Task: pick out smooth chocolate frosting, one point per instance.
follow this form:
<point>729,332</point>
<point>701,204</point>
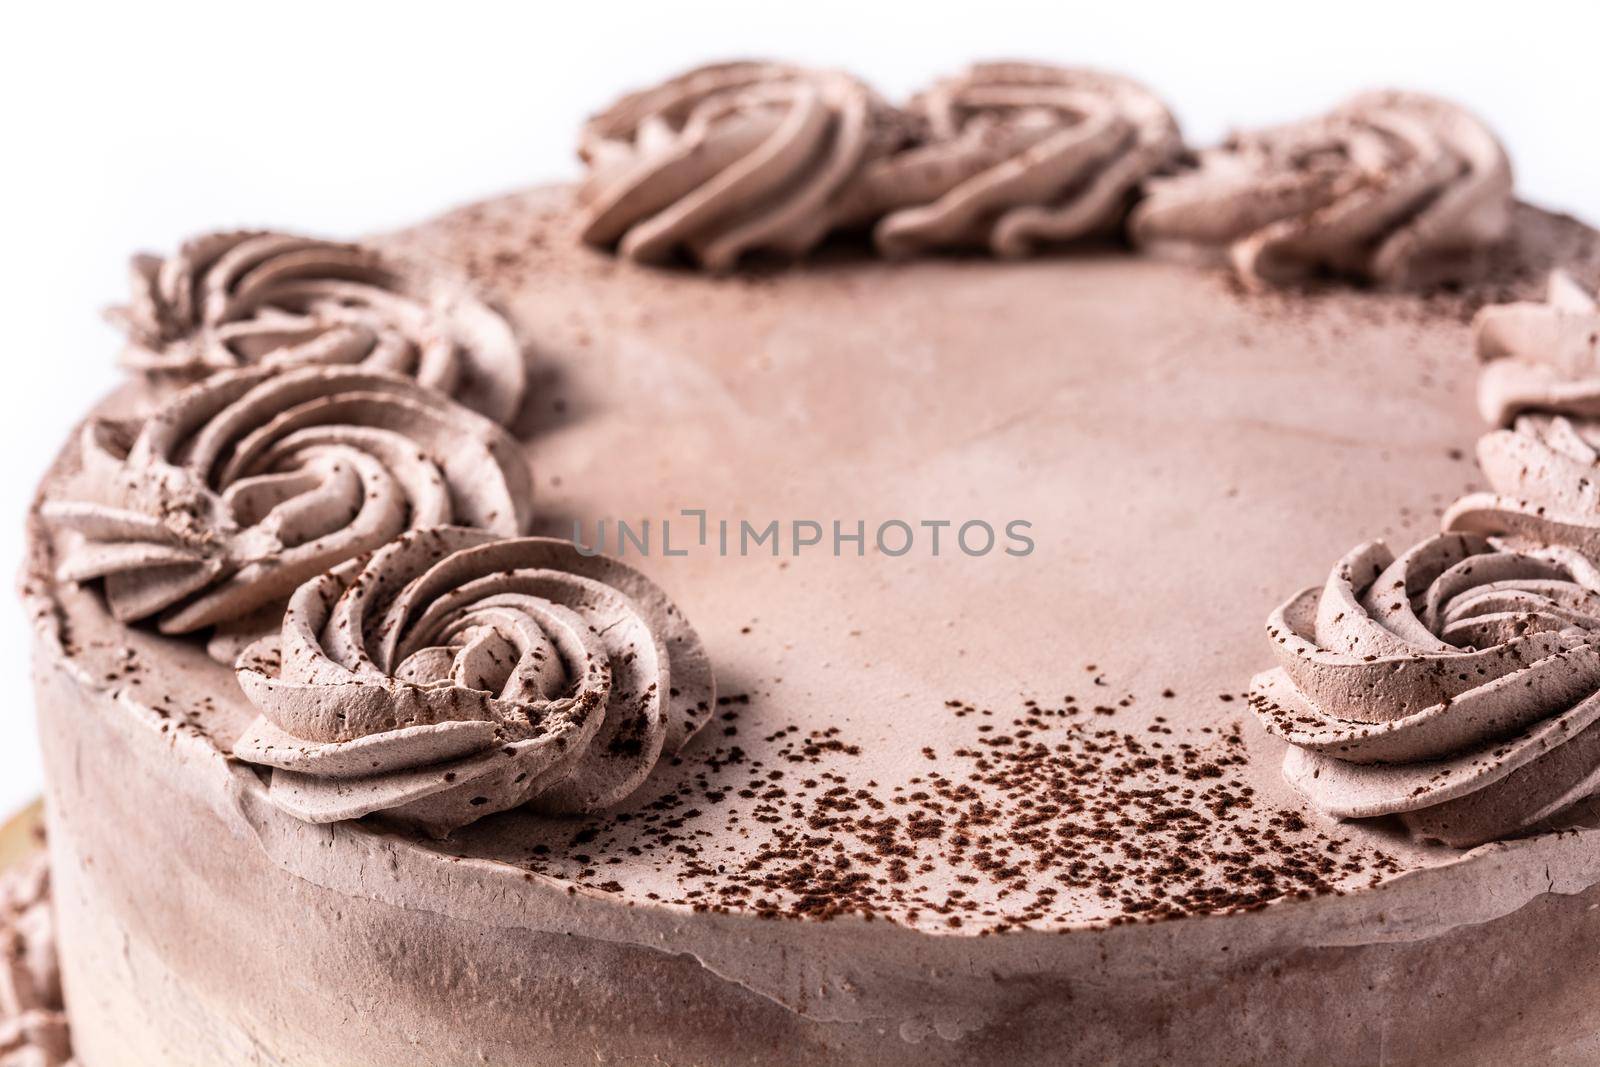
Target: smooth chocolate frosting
<point>727,159</point>
<point>243,298</point>
<point>945,799</point>
<point>455,675</point>
<point>33,1022</point>
<point>236,490</point>
<point>1390,187</point>
<point>1015,155</point>
<point>1541,356</point>
<point>1455,685</point>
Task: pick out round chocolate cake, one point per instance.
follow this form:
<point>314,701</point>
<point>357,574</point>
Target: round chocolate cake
<point>958,582</point>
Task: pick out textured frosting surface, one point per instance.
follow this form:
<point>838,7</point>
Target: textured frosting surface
<point>246,298</point>
<point>454,675</point>
<point>1390,187</point>
<point>33,1024</point>
<point>760,432</point>
<point>1012,156</point>
<point>235,490</point>
<point>1455,685</point>
<point>728,159</point>
<point>1541,356</point>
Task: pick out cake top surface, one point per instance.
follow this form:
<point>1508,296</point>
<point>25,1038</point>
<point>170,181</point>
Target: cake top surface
<point>972,739</point>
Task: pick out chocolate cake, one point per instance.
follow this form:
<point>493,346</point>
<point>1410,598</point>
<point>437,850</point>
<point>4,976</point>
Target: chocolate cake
<point>823,590</point>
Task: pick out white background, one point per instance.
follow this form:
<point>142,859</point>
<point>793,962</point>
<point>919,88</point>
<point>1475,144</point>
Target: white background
<point>133,126</point>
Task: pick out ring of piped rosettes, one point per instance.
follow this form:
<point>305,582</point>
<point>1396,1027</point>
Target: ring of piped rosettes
<point>453,675</point>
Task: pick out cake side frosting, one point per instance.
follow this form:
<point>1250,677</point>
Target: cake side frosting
<point>475,958</point>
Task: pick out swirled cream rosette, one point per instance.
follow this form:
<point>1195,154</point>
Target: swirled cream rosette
<point>256,298</point>
<point>33,1021</point>
<point>727,160</point>
<point>454,675</point>
<point>1014,156</point>
<point>1540,357</point>
<point>238,489</point>
<point>1454,686</point>
<point>1391,187</point>
<point>1544,477</point>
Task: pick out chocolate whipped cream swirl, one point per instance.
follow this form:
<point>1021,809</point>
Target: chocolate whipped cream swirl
<point>1014,156</point>
<point>1544,473</point>
<point>238,489</point>
<point>33,1021</point>
<point>1456,686</point>
<point>1541,357</point>
<point>1392,187</point>
<point>254,298</point>
<point>726,160</point>
<point>456,675</point>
